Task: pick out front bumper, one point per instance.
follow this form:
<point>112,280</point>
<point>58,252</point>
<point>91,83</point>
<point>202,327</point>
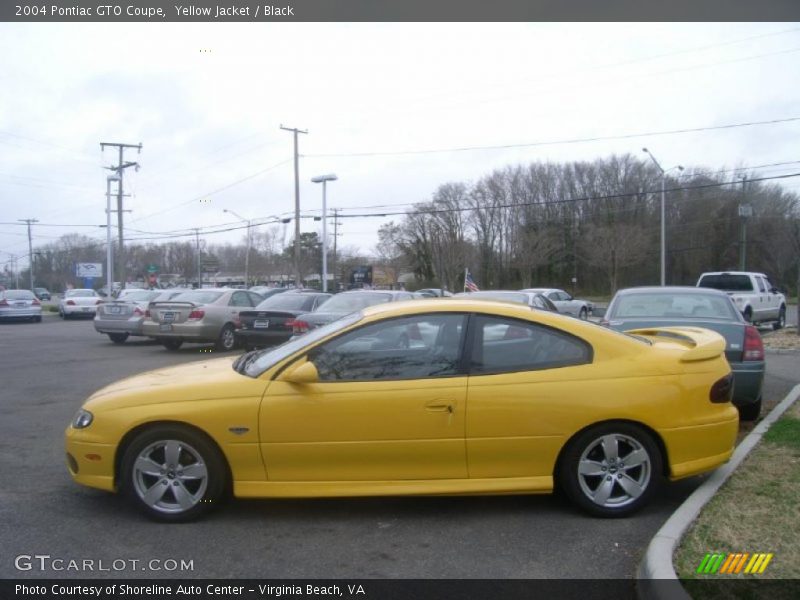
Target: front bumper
<point>90,464</point>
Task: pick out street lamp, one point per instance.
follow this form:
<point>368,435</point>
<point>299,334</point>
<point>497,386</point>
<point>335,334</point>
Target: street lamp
<point>247,254</point>
<point>663,223</point>
<point>324,179</point>
<point>109,254</point>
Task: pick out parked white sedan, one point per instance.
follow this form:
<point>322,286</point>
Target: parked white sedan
<point>78,302</point>
<point>565,303</point>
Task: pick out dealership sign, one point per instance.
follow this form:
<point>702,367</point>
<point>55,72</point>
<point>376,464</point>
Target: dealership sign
<point>90,270</point>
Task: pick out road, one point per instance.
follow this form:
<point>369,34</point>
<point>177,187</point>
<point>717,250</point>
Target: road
<point>48,370</point>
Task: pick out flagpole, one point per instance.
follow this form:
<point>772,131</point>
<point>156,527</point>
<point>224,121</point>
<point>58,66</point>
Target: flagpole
<point>466,272</point>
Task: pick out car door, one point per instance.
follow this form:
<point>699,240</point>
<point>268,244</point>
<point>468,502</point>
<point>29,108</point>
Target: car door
<point>771,304</point>
<point>389,405</point>
<point>520,373</point>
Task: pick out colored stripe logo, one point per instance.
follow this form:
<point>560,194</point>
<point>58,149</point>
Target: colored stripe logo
<point>734,563</point>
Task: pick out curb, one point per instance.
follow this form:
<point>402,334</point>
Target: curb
<point>656,577</point>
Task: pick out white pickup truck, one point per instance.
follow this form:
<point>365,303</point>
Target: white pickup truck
<point>757,299</point>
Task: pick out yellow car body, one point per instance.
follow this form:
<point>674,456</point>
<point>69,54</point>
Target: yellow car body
<point>288,433</point>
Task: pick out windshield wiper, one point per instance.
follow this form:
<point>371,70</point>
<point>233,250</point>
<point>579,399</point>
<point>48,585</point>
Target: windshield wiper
<point>245,360</point>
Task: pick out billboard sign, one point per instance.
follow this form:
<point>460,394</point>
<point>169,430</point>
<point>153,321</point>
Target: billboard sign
<point>83,270</point>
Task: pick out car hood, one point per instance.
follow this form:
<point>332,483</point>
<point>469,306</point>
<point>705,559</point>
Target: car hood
<point>205,380</point>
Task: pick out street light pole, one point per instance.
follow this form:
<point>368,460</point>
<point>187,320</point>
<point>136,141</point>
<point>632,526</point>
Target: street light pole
<point>663,215</point>
<point>324,179</point>
<point>247,253</point>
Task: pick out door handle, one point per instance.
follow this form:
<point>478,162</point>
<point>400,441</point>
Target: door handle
<point>439,406</point>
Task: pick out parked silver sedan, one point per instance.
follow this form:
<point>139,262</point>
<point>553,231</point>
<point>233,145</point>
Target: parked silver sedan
<point>124,316</point>
<point>200,316</point>
<point>78,302</point>
<point>565,303</point>
<point>20,304</point>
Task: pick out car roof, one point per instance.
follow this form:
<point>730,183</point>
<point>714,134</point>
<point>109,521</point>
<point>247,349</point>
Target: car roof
<point>674,289</point>
<point>732,273</point>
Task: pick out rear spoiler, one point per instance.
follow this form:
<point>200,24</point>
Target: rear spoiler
<point>703,344</point>
<point>173,304</point>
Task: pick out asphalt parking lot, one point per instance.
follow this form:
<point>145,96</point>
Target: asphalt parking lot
<point>47,370</point>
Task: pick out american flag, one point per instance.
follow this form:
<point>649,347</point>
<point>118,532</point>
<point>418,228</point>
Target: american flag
<point>469,284</point>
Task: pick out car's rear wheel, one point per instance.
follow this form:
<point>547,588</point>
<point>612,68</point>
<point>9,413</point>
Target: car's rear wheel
<point>173,473</point>
<point>750,412</point>
<point>611,470</point>
<point>748,314</point>
<point>118,338</point>
<point>171,344</point>
<point>781,322</point>
<point>226,340</point>
<point>37,319</point>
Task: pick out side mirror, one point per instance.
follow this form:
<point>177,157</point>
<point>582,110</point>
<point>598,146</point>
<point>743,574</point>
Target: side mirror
<point>301,374</point>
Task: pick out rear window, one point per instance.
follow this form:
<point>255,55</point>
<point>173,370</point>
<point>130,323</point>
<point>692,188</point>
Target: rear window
<point>727,282</point>
<point>287,302</point>
<point>198,296</point>
<point>353,302</point>
<point>683,306</point>
<point>19,295</point>
<point>139,296</point>
<point>80,294</point>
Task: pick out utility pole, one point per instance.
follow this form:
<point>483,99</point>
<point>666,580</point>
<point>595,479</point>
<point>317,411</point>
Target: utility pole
<point>297,278</point>
<point>199,272</point>
<point>119,169</point>
<point>745,211</point>
<point>30,247</point>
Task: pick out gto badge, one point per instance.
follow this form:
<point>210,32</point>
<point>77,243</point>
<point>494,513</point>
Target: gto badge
<point>238,430</point>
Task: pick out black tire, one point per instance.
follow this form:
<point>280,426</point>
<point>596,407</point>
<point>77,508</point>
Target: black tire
<point>584,314</point>
<point>118,338</point>
<point>626,489</point>
<point>226,340</point>
<point>37,319</point>
<point>750,412</point>
<point>171,344</point>
<point>781,322</point>
<point>748,315</point>
<point>202,490</point>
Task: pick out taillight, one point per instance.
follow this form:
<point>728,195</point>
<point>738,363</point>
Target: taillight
<point>753,346</point>
<point>196,315</point>
<point>99,302</point>
<point>237,323</point>
<point>722,390</point>
<point>70,302</point>
<point>137,312</point>
<point>298,326</point>
<point>4,302</point>
<point>36,302</point>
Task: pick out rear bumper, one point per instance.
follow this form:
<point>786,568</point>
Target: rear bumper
<point>254,336</point>
<point>131,326</point>
<point>748,378</point>
<point>21,313</point>
<point>79,310</point>
<point>197,332</point>
<point>700,448</point>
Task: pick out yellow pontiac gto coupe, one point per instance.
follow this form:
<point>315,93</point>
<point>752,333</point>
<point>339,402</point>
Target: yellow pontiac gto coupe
<point>445,396</point>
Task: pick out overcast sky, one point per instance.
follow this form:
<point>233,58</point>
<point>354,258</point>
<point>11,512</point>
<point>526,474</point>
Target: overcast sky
<point>206,101</point>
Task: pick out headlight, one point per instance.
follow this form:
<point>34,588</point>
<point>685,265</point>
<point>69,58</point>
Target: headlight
<point>82,420</point>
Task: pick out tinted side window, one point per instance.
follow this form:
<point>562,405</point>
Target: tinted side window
<point>240,299</point>
<point>416,347</point>
<point>507,345</point>
<point>255,299</point>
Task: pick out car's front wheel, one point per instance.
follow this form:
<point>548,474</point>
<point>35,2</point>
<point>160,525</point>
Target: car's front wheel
<point>611,470</point>
<point>173,473</point>
<point>118,338</point>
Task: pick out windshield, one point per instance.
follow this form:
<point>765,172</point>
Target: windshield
<point>259,361</point>
<point>680,306</point>
<point>288,302</point>
<point>727,282</point>
<point>198,296</point>
<point>346,303</point>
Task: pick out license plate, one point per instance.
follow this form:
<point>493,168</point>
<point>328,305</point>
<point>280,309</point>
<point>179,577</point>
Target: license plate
<point>168,316</point>
<point>165,327</point>
<point>261,323</point>
<point>20,304</point>
<point>86,309</point>
<point>113,310</point>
